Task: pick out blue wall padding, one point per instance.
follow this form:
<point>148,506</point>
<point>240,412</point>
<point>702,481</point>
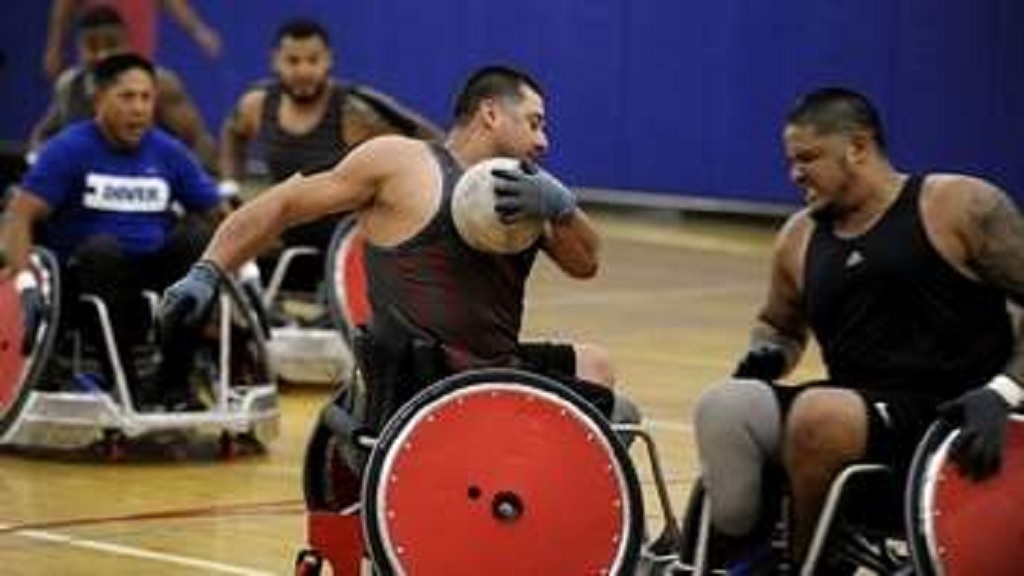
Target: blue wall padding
<point>654,95</point>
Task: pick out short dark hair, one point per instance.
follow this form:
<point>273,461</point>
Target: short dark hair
<point>834,109</point>
<point>109,69</point>
<point>490,82</point>
<point>99,17</point>
<point>300,28</point>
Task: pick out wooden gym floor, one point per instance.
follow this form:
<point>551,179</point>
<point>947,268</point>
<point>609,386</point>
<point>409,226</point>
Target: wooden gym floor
<point>673,303</point>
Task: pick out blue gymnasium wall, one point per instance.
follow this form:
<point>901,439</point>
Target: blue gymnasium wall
<point>670,96</point>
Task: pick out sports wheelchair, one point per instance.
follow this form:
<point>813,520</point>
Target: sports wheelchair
<point>309,333</point>
<point>56,394</point>
<point>491,471</point>
<point>938,523</point>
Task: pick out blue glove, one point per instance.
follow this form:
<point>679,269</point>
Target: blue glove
<point>188,300</point>
<point>531,193</point>
<point>765,362</point>
<point>982,415</point>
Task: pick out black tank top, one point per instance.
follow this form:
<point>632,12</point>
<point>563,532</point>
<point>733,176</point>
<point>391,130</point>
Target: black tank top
<point>286,153</point>
<point>890,312</point>
<point>435,284</point>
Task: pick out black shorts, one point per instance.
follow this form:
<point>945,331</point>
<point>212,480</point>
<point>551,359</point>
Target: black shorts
<point>558,361</point>
<point>897,420</point>
<point>554,359</point>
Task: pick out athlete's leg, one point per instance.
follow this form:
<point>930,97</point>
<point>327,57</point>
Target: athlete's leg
<point>594,364</point>
<point>826,429</point>
<point>737,428</point>
<point>587,368</point>
<point>99,266</point>
<point>178,350</point>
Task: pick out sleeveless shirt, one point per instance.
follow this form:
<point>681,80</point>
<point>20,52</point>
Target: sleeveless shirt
<point>890,312</point>
<point>435,284</point>
<point>286,153</point>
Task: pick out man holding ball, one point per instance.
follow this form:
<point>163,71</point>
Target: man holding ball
<point>425,282</point>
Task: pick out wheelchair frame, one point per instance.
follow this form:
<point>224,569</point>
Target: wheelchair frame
<point>77,419</point>
<point>911,549</point>
<point>343,525</point>
<point>316,354</point>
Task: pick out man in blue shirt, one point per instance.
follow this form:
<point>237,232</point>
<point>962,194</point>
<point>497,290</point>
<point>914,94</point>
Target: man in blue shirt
<point>107,196</point>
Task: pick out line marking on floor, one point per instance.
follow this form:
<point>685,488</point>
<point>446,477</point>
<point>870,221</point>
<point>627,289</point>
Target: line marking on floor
<point>140,553</point>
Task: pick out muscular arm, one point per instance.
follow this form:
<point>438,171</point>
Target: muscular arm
<point>199,30</point>
<point>993,232</point>
<point>177,112</point>
<point>781,321</point>
<point>49,124</point>
<point>353,184</point>
<point>573,245</point>
<point>238,130</point>
<point>62,13</point>
<point>16,223</point>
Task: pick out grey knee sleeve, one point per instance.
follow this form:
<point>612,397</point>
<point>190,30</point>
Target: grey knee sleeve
<point>737,427</point>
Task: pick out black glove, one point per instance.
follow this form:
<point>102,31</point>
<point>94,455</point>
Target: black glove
<point>981,414</point>
<point>530,193</point>
<point>188,300</point>
<point>763,362</point>
<point>32,309</point>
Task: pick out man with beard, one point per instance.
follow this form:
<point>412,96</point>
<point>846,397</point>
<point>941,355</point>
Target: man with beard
<point>903,279</point>
<point>100,33</point>
<point>303,120</point>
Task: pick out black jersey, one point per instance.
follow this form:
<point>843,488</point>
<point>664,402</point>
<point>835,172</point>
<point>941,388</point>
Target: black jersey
<point>434,283</point>
<point>889,311</point>
<point>286,153</point>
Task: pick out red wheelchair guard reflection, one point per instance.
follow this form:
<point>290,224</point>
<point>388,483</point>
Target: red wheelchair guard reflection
<point>11,360</point>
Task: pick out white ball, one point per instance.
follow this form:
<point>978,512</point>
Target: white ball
<point>475,219</point>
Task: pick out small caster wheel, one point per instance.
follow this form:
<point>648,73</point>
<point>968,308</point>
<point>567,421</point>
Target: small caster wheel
<point>308,563</point>
<point>112,446</point>
<point>227,447</point>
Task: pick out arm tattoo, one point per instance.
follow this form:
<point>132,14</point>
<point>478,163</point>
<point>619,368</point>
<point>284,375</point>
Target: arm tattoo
<point>996,237</point>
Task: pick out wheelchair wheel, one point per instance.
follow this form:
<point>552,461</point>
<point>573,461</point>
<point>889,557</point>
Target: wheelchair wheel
<point>501,472</point>
<point>24,349</point>
<point>347,298</point>
<point>959,527</point>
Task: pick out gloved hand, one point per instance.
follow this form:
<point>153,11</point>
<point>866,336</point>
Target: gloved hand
<point>188,300</point>
<point>530,192</point>
<point>981,414</point>
<point>762,362</point>
<point>32,309</point>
